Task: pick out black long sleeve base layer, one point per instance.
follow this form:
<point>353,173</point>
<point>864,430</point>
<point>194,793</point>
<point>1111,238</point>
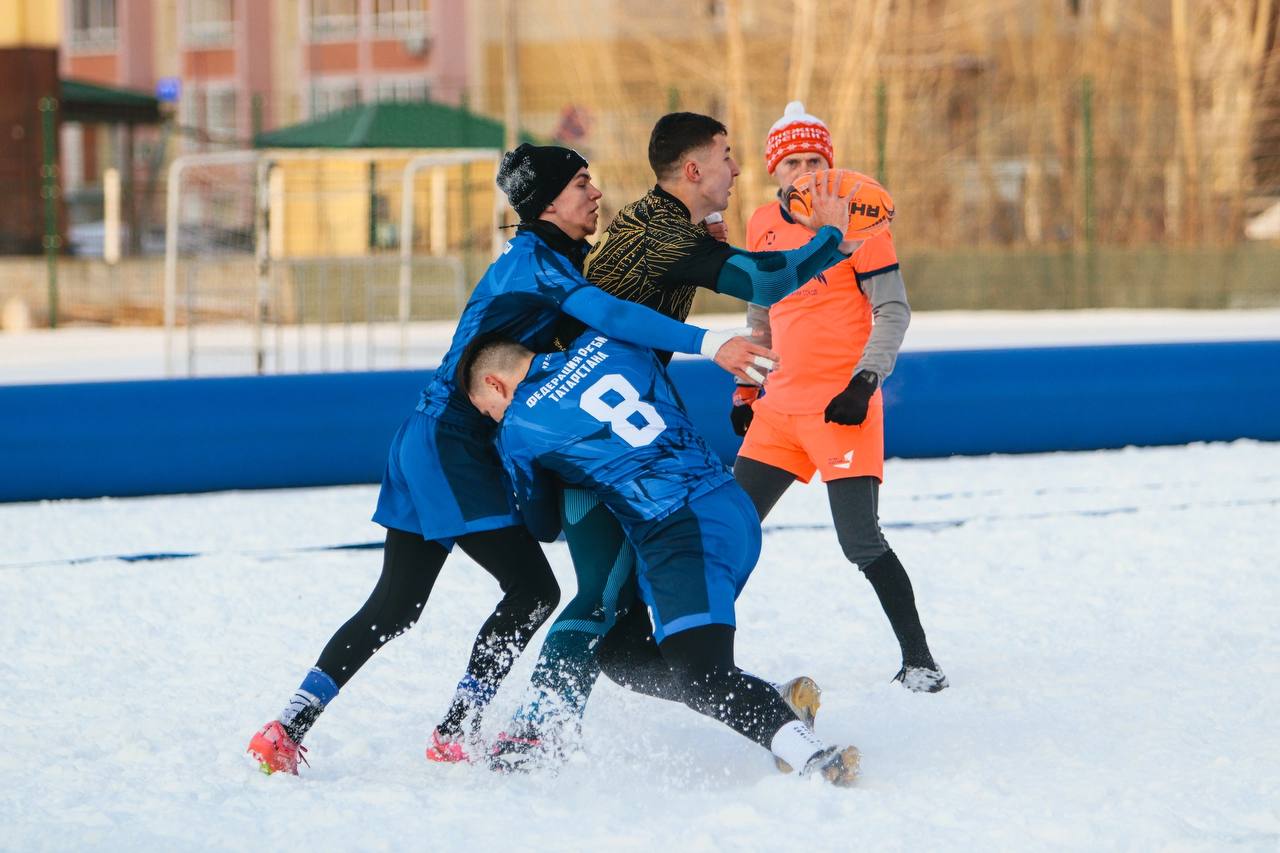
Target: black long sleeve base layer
<point>410,566</point>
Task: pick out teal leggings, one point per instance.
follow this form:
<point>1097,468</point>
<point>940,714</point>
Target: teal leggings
<point>604,564</point>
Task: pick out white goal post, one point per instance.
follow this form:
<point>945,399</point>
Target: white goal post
<point>261,163</point>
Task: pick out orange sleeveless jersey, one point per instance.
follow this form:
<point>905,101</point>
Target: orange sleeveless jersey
<point>819,331</point>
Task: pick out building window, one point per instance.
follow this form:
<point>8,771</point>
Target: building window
<point>210,111</point>
<point>329,96</point>
<point>71,147</point>
<point>334,20</point>
<point>400,18</point>
<point>93,25</point>
<point>220,111</point>
<point>208,22</point>
<point>403,90</point>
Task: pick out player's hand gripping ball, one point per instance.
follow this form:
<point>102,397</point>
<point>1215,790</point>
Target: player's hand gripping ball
<point>870,205</point>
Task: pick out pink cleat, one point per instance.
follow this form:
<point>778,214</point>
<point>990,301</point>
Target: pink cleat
<point>275,750</point>
<point>446,750</point>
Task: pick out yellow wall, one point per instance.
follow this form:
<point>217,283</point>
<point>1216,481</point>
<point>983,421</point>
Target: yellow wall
<point>326,205</point>
<point>164,33</point>
<point>30,23</point>
<point>289,89</point>
<point>326,208</point>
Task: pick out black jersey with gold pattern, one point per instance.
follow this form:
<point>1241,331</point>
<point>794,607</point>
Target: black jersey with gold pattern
<point>652,253</point>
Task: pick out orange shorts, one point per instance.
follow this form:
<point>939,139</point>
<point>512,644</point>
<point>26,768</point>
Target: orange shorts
<point>802,444</point>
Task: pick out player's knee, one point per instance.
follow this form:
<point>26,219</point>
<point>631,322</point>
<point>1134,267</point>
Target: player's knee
<point>537,584</point>
<point>704,692</point>
<point>543,597</point>
<point>550,596</point>
<point>614,665</point>
<point>862,551</point>
<point>399,622</point>
<point>695,682</point>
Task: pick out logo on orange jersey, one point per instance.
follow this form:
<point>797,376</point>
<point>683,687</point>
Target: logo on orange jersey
<point>769,237</point>
<point>846,464</point>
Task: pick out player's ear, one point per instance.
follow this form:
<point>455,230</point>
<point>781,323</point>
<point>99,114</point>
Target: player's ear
<point>691,171</point>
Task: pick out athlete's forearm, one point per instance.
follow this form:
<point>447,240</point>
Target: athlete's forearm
<point>633,323</point>
<point>761,330</point>
<point>758,320</point>
<point>766,277</point>
<point>891,314</point>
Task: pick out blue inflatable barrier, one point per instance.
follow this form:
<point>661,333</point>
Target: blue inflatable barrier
<point>1081,398</point>
<point>198,435</point>
<point>194,435</point>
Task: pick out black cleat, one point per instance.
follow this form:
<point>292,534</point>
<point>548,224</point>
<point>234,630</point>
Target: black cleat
<point>922,679</point>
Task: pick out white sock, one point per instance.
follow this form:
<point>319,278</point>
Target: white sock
<point>301,701</point>
<point>795,744</point>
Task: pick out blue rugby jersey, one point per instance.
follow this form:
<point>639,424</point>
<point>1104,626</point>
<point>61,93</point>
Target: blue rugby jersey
<point>520,297</point>
<point>603,416</point>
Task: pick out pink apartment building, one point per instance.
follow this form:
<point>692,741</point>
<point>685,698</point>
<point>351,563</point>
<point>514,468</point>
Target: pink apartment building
<point>234,67</point>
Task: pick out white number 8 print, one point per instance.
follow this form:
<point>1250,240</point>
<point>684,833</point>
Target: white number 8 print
<point>617,416</point>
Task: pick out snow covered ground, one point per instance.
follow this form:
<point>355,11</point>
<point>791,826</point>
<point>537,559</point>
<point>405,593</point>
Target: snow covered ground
<point>1108,621</point>
<point>88,353</point>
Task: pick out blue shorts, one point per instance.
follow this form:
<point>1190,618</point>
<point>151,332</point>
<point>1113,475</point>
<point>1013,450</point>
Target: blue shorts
<point>692,564</point>
<point>444,480</point>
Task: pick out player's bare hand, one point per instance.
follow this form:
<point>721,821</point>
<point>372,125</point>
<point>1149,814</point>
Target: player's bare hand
<point>746,360</point>
<point>829,207</point>
<point>716,226</point>
<point>736,352</point>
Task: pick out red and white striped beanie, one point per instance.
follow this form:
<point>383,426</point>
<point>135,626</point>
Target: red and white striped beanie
<point>797,132</point>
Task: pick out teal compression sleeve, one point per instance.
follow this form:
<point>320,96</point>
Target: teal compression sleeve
<point>766,277</point>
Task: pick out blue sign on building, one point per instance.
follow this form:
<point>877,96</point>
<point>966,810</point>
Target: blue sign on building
<point>168,89</point>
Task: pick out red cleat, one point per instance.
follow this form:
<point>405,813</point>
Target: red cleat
<point>512,754</point>
<point>446,750</point>
<point>275,750</point>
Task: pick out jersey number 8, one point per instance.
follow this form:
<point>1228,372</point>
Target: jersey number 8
<point>619,417</point>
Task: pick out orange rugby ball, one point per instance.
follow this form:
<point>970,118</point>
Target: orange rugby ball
<point>870,205</point>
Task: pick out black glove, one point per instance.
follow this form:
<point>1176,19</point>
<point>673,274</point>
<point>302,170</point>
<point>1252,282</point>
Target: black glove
<point>849,407</point>
<point>741,414</point>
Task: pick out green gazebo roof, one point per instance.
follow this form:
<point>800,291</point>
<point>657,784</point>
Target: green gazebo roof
<point>93,102</point>
<point>390,125</point>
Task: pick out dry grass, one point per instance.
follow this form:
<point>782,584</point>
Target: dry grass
<point>977,107</point>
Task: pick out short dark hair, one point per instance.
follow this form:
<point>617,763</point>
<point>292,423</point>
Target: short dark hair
<point>675,135</point>
<point>488,351</point>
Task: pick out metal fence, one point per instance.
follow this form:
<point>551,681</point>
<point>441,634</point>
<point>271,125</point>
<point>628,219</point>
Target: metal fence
<point>322,313</point>
<point>338,290</point>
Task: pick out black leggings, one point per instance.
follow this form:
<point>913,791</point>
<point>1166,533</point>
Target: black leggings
<point>703,671</point>
<point>855,506</point>
<point>410,566</point>
<point>855,511</point>
<point>695,667</point>
<point>630,657</point>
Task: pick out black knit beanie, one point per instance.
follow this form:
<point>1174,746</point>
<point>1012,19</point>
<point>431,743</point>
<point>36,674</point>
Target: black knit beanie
<point>533,175</point>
